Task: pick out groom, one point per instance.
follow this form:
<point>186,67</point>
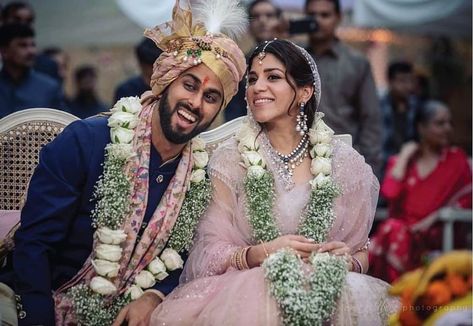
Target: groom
<point>193,79</point>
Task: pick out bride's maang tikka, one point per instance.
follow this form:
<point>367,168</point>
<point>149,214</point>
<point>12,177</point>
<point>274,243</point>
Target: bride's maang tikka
<point>262,54</point>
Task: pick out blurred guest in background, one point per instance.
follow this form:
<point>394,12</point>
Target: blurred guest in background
<point>53,61</point>
<point>146,52</point>
<point>424,177</point>
<point>20,86</point>
<point>265,18</point>
<point>18,12</point>
<point>398,108</point>
<point>349,101</point>
<point>86,102</point>
<point>421,87</point>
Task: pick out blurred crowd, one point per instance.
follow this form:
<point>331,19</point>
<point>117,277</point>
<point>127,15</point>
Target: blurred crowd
<point>403,133</point>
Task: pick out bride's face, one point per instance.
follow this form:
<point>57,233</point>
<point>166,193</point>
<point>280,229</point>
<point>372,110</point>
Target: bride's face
<point>269,93</point>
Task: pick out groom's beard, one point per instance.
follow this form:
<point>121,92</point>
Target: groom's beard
<point>173,134</point>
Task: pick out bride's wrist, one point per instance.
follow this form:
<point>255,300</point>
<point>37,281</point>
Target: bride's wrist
<point>255,256</point>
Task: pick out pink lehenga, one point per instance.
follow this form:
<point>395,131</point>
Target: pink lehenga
<point>214,293</point>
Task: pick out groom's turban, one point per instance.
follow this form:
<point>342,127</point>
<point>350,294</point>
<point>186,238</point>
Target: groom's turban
<point>186,45</point>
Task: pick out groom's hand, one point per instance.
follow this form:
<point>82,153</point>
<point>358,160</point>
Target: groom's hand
<point>138,312</point>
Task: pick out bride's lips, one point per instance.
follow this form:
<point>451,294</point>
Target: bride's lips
<point>261,101</point>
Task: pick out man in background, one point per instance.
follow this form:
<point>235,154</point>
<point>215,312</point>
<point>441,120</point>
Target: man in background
<point>86,103</point>
<point>146,53</point>
<point>264,25</point>
<point>349,97</point>
<point>20,86</point>
<point>398,107</point>
<point>53,61</point>
<point>18,12</point>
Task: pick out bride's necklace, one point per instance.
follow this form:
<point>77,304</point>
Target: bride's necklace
<point>296,157</point>
<point>286,164</point>
<point>259,183</point>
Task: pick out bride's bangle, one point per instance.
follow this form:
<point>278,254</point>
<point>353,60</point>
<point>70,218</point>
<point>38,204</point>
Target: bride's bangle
<point>238,259</point>
<point>264,248</point>
<point>357,266</point>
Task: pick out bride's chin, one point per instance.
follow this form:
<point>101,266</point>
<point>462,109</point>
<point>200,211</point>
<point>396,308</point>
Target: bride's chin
<point>260,118</point>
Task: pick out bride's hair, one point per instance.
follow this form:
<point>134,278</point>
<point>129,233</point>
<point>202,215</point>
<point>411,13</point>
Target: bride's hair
<point>297,68</point>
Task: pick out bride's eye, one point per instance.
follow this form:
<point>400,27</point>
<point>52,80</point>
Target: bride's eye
<point>274,77</point>
<point>252,80</point>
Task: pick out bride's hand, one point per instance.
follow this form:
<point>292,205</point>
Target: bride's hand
<point>334,247</point>
<point>303,246</point>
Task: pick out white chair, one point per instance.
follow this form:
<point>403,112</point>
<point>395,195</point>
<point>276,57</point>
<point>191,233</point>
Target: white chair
<point>22,134</point>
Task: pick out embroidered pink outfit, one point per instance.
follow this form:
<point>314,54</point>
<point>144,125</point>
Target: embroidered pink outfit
<point>213,293</point>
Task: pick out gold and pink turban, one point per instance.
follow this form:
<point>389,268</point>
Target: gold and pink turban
<point>186,45</point>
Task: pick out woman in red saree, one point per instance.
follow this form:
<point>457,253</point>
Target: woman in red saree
<point>421,179</point>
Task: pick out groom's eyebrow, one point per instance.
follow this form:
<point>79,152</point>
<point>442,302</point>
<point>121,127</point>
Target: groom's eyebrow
<point>198,82</point>
<point>194,78</point>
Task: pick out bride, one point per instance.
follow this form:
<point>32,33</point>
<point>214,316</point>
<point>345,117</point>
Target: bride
<point>284,240</point>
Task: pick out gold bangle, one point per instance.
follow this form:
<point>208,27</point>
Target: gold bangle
<point>244,260</point>
<point>264,248</point>
<point>233,259</point>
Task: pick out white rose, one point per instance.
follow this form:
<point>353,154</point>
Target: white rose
<point>247,143</point>
<point>123,119</point>
<point>319,181</point>
<point>323,150</point>
<point>120,151</point>
<point>156,266</point>
<point>109,236</point>
<point>105,267</point>
<point>316,137</point>
<point>198,144</point>
<point>121,135</point>
<point>256,171</point>
<point>171,259</point>
<point>253,158</point>
<point>102,286</point>
<point>145,279</point>
<point>134,291</point>
<point>321,165</point>
<point>161,276</point>
<point>130,104</point>
<point>200,159</point>
<point>108,252</point>
<point>197,175</point>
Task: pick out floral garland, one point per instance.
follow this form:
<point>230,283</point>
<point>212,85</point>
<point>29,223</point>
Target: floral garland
<point>287,284</point>
<point>113,194</point>
<point>285,277</point>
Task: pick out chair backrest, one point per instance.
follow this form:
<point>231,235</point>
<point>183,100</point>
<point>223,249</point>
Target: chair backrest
<point>22,134</point>
<point>216,136</point>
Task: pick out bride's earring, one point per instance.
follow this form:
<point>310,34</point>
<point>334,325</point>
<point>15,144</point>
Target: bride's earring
<point>301,125</point>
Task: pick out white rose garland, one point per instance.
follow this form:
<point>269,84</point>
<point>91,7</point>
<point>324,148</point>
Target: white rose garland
<point>282,268</point>
<point>113,201</point>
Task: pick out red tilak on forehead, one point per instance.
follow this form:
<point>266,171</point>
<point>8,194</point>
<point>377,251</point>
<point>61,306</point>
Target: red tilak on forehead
<point>206,80</point>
